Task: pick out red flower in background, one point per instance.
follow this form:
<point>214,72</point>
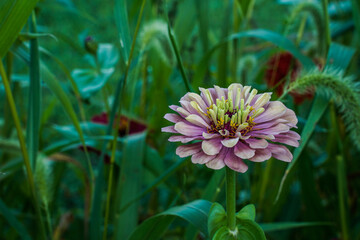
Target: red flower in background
<point>281,66</point>
<point>133,125</point>
<point>125,122</point>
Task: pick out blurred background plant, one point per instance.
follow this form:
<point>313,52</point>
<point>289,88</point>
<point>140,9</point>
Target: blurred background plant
<point>85,86</point>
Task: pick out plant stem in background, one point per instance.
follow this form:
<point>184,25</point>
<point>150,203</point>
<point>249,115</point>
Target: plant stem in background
<point>17,124</point>
<point>327,24</point>
<point>178,58</point>
<point>343,196</point>
<point>223,54</point>
<point>231,199</point>
<point>34,103</point>
<point>116,131</point>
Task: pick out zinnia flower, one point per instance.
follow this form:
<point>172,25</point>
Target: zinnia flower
<point>229,125</point>
<point>278,68</point>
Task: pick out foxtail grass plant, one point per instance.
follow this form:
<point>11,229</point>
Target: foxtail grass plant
<point>29,173</point>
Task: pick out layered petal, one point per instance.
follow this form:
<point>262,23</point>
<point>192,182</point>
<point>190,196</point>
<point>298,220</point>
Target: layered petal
<point>188,150</point>
<point>169,129</point>
<point>280,152</point>
<point>230,142</point>
<point>188,129</point>
<point>261,155</point>
<point>201,158</point>
<point>212,146</point>
<point>197,120</point>
<point>243,151</point>
<point>273,110</point>
<point>234,162</point>
<point>218,161</point>
<point>171,117</point>
<point>257,143</point>
<point>183,139</point>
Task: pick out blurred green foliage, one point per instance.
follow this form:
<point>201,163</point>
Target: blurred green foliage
<point>108,70</point>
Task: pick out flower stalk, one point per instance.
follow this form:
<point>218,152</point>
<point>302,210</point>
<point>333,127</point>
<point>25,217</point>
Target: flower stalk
<point>231,199</point>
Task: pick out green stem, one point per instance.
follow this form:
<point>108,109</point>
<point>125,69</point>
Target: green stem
<point>327,24</point>
<point>116,131</point>
<point>21,138</point>
<point>342,194</point>
<point>34,103</point>
<point>231,198</point>
<point>179,60</point>
<point>108,197</point>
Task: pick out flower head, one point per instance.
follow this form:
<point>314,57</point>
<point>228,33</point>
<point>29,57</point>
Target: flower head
<point>232,124</point>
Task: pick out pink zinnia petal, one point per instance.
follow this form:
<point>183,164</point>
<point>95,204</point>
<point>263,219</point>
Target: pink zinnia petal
<point>188,150</point>
<point>261,155</point>
<point>169,129</point>
<point>197,120</point>
<point>234,162</point>
<point>218,161</point>
<point>188,129</point>
<point>182,139</point>
<point>212,146</point>
<point>280,152</point>
<point>257,143</point>
<point>230,142</point>
<point>171,117</point>
<point>273,110</point>
<point>201,158</point>
<point>243,151</point>
<point>210,135</point>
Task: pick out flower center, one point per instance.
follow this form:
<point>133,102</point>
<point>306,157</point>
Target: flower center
<point>227,118</point>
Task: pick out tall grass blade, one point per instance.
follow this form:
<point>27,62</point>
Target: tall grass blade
<point>34,103</point>
<point>281,226</point>
<point>223,54</point>
<point>343,197</point>
<point>178,58</point>
<point>116,108</point>
<point>13,16</point>
<point>356,18</point>
<point>122,23</point>
<point>56,88</point>
<point>24,151</point>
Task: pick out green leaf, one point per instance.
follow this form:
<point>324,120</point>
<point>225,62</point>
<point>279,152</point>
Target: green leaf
<point>56,88</point>
<point>194,212</point>
<point>11,219</point>
<point>216,218</point>
<point>34,103</point>
<point>224,234</point>
<point>247,212</point>
<point>121,20</point>
<point>280,226</point>
<point>250,230</point>
<point>170,171</point>
<point>92,80</point>
<point>129,184</point>
<point>13,16</point>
